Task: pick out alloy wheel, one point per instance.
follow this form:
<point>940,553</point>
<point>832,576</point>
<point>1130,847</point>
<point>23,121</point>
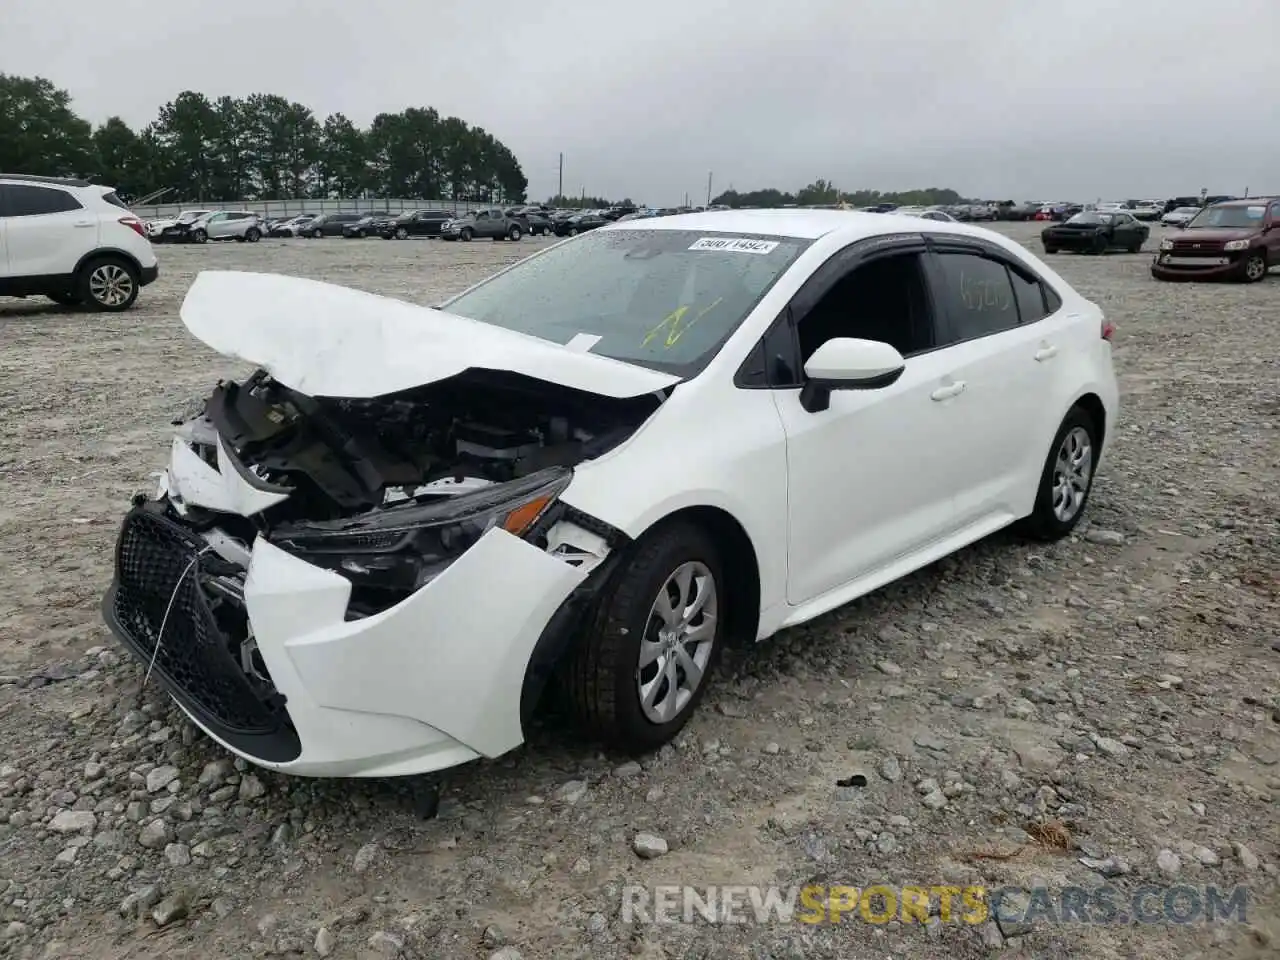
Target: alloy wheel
<point>677,643</point>
<point>110,285</point>
<point>1072,471</point>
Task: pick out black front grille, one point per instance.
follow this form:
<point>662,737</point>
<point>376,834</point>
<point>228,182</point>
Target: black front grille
<point>159,571</point>
<point>1197,248</point>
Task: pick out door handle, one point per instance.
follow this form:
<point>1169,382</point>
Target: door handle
<point>949,391</point>
<point>1047,352</point>
<point>85,223</point>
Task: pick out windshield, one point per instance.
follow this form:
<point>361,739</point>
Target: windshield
<point>1230,218</point>
<point>665,299</point>
<point>1094,218</point>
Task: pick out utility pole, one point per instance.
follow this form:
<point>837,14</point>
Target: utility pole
<point>709,175</point>
<point>560,188</point>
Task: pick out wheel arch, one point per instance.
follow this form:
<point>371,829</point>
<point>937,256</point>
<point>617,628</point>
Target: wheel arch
<point>106,253</point>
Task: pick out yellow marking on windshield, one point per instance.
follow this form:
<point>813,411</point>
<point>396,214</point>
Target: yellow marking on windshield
<point>671,324</point>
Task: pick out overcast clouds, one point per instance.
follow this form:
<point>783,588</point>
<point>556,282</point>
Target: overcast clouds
<point>1017,99</point>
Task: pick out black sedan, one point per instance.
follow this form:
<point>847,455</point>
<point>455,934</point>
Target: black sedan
<point>1091,231</point>
<point>539,223</point>
<point>367,226</point>
<point>580,223</point>
<point>419,223</point>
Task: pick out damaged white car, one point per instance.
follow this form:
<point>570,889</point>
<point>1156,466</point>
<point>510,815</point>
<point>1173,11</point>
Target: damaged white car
<point>601,465</point>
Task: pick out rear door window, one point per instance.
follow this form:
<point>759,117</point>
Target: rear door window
<point>24,200</point>
<point>977,294</point>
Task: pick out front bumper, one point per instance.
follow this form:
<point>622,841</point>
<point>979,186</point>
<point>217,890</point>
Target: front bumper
<point>427,684</point>
<point>1179,265</point>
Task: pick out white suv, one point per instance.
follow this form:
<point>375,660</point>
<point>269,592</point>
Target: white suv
<point>71,241</point>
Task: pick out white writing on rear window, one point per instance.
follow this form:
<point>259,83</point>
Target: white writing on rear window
<point>735,244</point>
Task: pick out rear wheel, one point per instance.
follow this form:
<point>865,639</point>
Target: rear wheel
<point>1067,478</point>
<point>640,670</point>
<point>1255,267</point>
<point>108,283</point>
<point>514,233</point>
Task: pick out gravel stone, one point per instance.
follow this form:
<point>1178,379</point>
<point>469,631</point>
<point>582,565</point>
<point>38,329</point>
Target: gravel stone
<point>648,846</point>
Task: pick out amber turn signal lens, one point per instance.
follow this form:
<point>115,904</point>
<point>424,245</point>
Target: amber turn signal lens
<point>522,517</point>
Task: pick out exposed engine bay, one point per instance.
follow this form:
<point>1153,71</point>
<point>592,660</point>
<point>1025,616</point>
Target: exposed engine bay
<point>342,457</point>
<point>389,490</point>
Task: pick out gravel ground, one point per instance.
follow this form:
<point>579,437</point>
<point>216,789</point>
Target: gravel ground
<point>1014,709</point>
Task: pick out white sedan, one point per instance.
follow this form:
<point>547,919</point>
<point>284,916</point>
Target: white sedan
<point>1180,216</point>
<point>606,463</point>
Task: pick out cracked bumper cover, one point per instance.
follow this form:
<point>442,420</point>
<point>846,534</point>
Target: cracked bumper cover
<point>427,684</point>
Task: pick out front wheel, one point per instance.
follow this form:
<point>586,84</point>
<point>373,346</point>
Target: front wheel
<point>573,231</point>
<point>1050,249</point>
<point>402,234</point>
<point>1100,245</point>
<point>199,236</point>
<point>317,234</point>
<point>465,234</point>
<point>253,235</point>
<point>1067,478</point>
<point>642,666</point>
<point>1255,268</point>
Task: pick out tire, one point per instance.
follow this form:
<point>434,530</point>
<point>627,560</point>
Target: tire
<point>514,233</point>
<point>1050,249</point>
<point>252,235</point>
<point>465,234</point>
<point>1099,246</point>
<point>602,675</point>
<point>1047,521</point>
<point>65,298</point>
<point>199,236</point>
<point>573,231</point>
<point>1255,267</point>
<point>108,284</point>
<point>317,234</point>
<point>359,234</point>
<point>1135,247</point>
<point>402,234</point>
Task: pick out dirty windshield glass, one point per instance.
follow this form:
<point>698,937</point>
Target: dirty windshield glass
<point>1230,218</point>
<point>661,298</point>
<point>1097,218</point>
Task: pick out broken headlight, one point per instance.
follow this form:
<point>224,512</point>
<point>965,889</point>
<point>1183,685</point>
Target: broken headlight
<point>402,547</point>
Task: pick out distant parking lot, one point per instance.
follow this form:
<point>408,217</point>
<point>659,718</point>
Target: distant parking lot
<point>1020,678</point>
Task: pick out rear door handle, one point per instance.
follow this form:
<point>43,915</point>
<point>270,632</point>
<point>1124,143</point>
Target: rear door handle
<point>1047,352</point>
<point>949,391</point>
<point>85,223</point>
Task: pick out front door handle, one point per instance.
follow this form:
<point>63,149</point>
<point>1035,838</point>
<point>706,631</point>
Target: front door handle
<point>949,391</point>
<point>1046,352</point>
<point>85,223</point>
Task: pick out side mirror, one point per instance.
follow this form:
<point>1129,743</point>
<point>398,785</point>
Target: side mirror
<point>848,363</point>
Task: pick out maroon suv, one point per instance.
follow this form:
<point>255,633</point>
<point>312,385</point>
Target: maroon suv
<point>1236,240</point>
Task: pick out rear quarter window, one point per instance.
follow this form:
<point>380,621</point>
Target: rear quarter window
<point>113,199</point>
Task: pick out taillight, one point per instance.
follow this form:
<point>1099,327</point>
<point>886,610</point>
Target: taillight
<point>134,224</point>
<point>1108,329</point>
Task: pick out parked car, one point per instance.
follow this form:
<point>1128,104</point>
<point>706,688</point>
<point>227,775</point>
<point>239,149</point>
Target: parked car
<point>581,223</point>
<point>1145,210</point>
<point>1235,240</point>
<point>938,214</point>
<point>292,227</point>
<point>418,223</point>
<point>537,223</point>
<point>168,229</point>
<point>464,447</point>
<point>330,224</point>
<point>1179,216</point>
<point>239,225</point>
<point>73,242</point>
<point>370,225</point>
<point>492,223</point>
<point>1096,231</point>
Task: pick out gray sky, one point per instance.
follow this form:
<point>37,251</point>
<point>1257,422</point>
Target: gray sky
<point>1016,99</point>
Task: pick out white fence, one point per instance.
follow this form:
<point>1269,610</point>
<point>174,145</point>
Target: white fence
<point>291,208</point>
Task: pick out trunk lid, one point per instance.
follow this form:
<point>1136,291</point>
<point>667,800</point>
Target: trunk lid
<point>331,341</point>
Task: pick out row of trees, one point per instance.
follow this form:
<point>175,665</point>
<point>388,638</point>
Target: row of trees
<point>260,147</point>
<point>825,192</point>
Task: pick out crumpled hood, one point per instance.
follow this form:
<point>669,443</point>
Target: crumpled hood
<point>326,340</point>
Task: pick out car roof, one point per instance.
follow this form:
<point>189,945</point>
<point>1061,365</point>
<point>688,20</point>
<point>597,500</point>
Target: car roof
<point>1243,202</point>
<point>55,181</point>
<point>800,224</point>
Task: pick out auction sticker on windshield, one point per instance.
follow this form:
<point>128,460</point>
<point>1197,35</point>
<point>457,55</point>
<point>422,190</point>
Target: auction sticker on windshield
<point>735,244</point>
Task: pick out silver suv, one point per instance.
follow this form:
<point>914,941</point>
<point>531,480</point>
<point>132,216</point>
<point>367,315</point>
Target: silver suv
<point>238,225</point>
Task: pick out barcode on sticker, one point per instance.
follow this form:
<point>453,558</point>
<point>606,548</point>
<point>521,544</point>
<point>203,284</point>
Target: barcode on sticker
<point>735,244</point>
